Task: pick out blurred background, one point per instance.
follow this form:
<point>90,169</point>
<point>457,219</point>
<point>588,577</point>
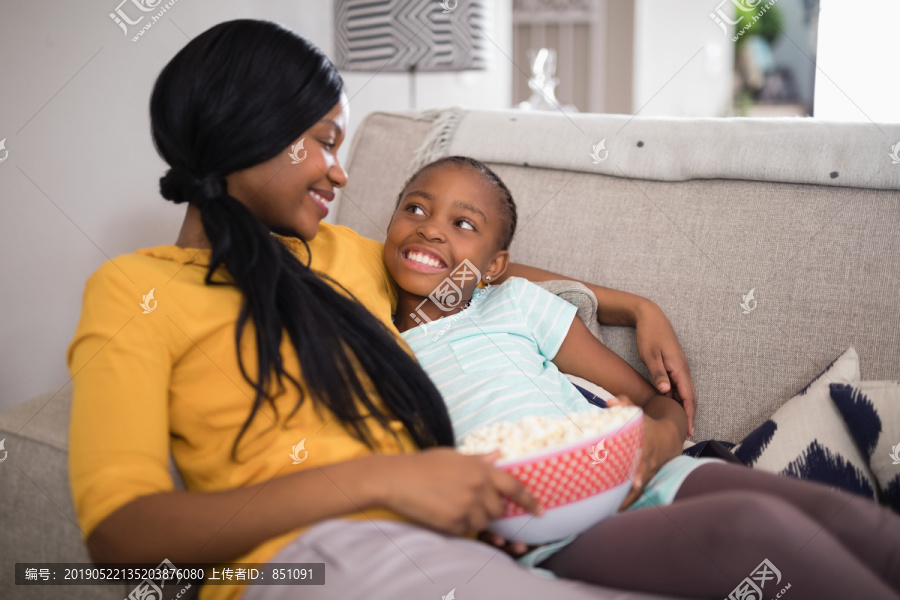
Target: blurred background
<point>79,175</point>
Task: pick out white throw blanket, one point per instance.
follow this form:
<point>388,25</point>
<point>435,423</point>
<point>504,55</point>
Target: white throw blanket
<point>789,150</point>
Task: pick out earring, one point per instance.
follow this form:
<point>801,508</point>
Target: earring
<point>487,277</point>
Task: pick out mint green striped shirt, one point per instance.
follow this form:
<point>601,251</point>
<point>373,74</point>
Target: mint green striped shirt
<point>492,361</point>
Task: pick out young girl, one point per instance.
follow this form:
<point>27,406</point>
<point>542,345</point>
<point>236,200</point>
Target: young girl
<point>704,525</point>
<point>256,343</point>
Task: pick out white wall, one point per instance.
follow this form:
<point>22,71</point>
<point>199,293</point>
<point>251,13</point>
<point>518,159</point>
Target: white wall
<point>679,38</point>
<point>80,184</point>
<point>857,52</point>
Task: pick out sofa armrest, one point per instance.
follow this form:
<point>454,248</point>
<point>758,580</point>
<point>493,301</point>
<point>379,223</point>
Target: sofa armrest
<point>36,509</point>
<point>576,293</point>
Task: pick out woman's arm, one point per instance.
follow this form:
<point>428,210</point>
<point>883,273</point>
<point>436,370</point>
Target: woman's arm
<point>614,307</point>
<point>452,492</point>
<point>665,427</point>
<point>220,526</point>
<point>657,343</point>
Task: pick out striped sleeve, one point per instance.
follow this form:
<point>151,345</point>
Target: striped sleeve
<point>547,316</point>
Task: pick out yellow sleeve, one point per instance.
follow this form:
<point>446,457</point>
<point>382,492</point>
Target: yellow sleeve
<point>120,367</point>
<point>377,248</point>
<point>340,238</point>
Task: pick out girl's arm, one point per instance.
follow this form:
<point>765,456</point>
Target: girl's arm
<point>657,343</point>
<point>614,307</point>
<point>452,492</point>
<point>666,427</point>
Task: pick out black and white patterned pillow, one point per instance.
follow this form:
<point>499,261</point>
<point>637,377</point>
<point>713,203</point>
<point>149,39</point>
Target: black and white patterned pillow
<point>871,410</point>
<point>807,438</point>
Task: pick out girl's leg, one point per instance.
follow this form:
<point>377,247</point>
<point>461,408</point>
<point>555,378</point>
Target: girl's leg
<point>868,531</point>
<point>390,560</point>
<point>707,545</point>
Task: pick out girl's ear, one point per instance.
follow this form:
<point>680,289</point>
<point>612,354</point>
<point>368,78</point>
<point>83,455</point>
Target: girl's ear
<point>497,267</point>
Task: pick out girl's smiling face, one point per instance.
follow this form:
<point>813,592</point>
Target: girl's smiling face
<point>449,213</point>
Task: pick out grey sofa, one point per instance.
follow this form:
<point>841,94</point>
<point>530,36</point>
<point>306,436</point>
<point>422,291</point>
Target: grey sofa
<point>690,213</point>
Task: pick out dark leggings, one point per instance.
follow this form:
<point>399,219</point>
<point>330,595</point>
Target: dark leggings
<point>725,520</point>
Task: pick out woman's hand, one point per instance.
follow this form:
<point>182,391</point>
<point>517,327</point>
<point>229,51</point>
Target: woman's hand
<point>660,350</point>
<point>661,444</point>
<point>448,491</point>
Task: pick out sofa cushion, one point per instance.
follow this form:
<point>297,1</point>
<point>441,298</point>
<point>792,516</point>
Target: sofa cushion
<point>44,418</point>
<point>807,438</point>
<point>36,510</point>
<point>871,410</point>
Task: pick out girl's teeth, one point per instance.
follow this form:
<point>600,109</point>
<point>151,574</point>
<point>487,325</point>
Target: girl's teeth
<point>424,259</point>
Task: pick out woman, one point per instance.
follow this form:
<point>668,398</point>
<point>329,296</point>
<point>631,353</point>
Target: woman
<point>295,426</point>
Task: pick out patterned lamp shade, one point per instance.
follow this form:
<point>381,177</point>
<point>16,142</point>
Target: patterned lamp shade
<point>405,35</point>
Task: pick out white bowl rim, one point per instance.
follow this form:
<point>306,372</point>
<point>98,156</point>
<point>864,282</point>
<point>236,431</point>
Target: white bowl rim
<point>545,454</point>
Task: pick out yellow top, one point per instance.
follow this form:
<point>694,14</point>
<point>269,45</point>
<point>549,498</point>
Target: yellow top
<point>147,384</point>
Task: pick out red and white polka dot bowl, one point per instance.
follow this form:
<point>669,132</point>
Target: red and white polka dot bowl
<point>578,485</point>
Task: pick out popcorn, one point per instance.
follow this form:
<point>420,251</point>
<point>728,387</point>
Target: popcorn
<point>536,435</point>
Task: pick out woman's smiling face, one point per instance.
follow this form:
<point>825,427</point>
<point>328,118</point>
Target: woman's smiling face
<point>447,214</point>
<point>292,192</point>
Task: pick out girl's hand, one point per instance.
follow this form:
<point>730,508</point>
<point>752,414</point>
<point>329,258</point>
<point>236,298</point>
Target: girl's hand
<point>448,491</point>
<point>661,444</point>
<point>660,350</point>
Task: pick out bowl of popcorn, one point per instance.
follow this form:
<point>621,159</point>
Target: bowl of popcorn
<point>579,467</point>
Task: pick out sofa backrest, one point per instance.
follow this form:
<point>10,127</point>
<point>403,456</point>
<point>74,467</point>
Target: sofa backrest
<point>693,214</point>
